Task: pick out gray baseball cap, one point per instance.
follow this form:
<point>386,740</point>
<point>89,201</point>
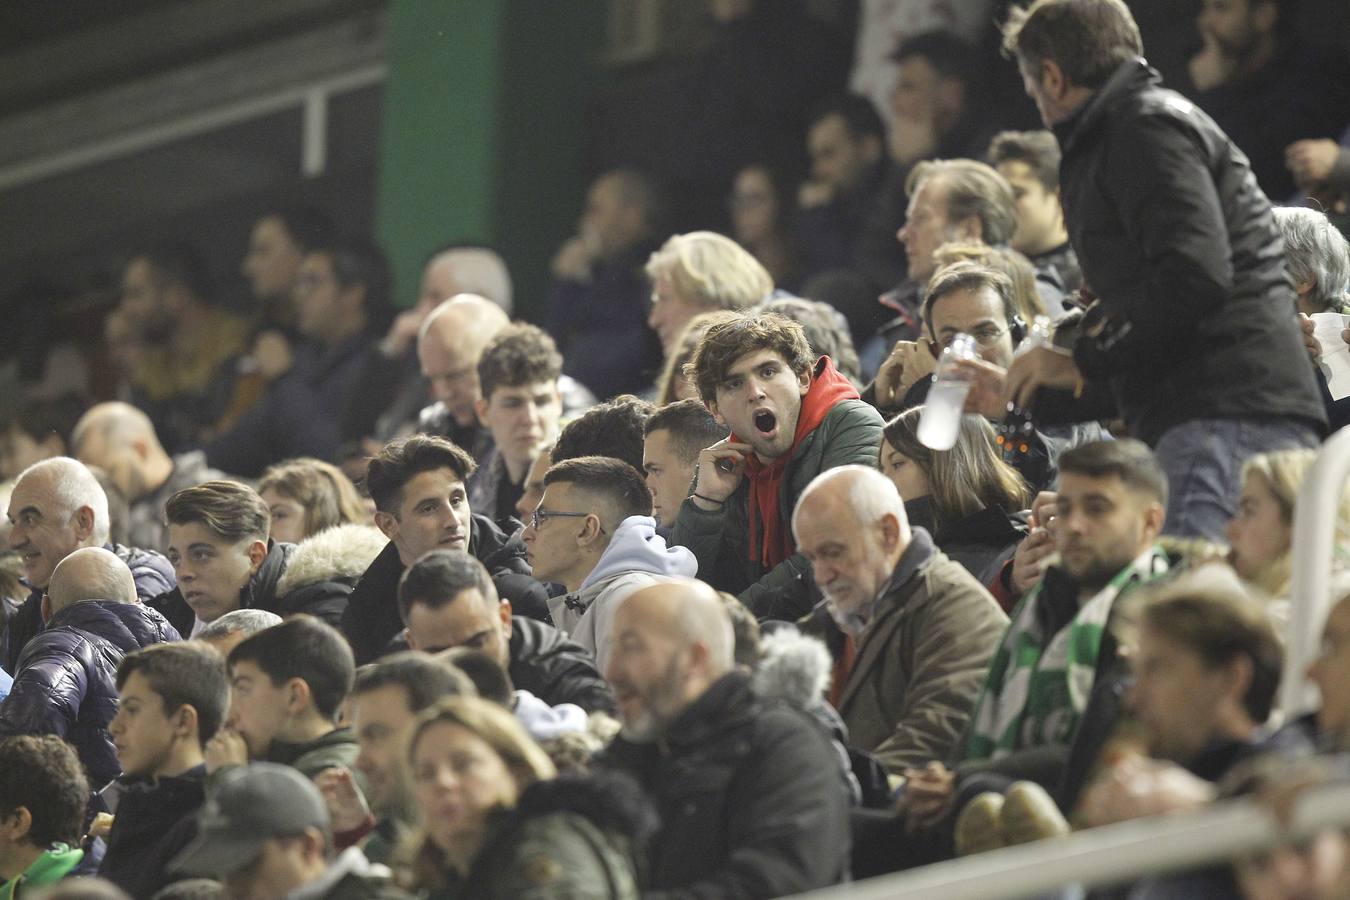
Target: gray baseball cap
<point>245,807</point>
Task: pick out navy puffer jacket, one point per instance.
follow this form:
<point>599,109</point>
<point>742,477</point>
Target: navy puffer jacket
<point>66,684</point>
<point>150,570</point>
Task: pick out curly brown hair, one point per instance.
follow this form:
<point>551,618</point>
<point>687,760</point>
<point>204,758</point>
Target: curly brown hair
<point>732,335</point>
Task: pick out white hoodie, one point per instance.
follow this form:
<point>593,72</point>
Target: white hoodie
<point>636,557</point>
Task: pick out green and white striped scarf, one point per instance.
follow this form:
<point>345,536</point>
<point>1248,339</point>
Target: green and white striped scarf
<point>1038,684</point>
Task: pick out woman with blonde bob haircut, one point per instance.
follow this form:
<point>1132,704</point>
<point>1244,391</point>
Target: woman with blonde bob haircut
<point>967,497</point>
<point>700,272</point>
<point>497,823</point>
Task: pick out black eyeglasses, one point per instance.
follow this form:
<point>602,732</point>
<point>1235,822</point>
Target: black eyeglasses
<point>541,515</point>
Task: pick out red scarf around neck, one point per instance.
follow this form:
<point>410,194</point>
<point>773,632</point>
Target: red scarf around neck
<point>770,542</point>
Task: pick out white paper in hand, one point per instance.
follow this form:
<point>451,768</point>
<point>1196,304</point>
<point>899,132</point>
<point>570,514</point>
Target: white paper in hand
<point>1335,359</point>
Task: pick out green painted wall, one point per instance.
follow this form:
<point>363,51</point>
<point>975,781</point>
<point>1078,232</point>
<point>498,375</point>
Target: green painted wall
<point>482,134</point>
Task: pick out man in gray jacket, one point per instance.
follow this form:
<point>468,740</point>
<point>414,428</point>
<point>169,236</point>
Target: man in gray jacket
<point>603,548</point>
<point>919,630</point>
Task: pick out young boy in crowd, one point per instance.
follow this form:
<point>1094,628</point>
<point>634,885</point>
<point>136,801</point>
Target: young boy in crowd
<point>171,700</point>
<point>288,684</point>
<point>43,796</point>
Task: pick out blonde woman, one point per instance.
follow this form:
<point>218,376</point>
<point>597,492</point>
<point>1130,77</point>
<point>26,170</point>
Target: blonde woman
<point>700,272</point>
<point>967,497</point>
<point>496,823</point>
<point>1260,535</point>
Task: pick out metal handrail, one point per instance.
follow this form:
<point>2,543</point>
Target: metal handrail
<point>1112,854</point>
<point>1315,516</point>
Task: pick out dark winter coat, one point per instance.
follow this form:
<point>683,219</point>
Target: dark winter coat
<point>324,568</point>
<point>150,570</point>
<point>555,669</point>
<point>66,684</point>
<point>982,541</point>
<point>567,837</point>
<point>155,820</point>
<point>1180,245</point>
<point>751,799</point>
<point>371,620</point>
<point>304,413</point>
<point>259,593</point>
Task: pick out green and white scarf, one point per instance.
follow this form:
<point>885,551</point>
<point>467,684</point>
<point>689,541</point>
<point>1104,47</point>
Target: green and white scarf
<point>1038,684</point>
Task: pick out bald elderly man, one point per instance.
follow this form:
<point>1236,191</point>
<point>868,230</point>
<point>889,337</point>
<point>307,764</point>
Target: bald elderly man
<point>120,439</point>
<point>919,628</point>
<point>56,508</point>
<point>66,679</point>
<point>751,796</point>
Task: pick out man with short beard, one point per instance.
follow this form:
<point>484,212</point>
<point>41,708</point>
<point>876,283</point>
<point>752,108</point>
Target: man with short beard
<point>769,814</point>
<point>1060,644</point>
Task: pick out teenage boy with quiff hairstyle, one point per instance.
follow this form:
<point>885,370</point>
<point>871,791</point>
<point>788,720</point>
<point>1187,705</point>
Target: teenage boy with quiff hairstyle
<point>791,416</point>
<point>221,554</point>
<point>288,684</point>
<point>172,699</point>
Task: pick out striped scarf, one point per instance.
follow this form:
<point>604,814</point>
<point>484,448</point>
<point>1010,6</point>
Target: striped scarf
<point>1038,684</point>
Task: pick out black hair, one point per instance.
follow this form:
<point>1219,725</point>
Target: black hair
<point>183,673</point>
<point>439,576</point>
<point>613,428</point>
<point>303,647</point>
<point>859,114</point>
<point>423,678</point>
<point>399,461</point>
<point>692,427</point>
<point>1127,459</point>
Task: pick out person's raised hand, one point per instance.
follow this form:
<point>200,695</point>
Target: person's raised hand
<point>226,748</point>
<point>346,805</point>
<point>1308,326</point>
<point>718,473</point>
<point>907,362</point>
<point>573,260</point>
<point>988,388</point>
<point>1311,161</point>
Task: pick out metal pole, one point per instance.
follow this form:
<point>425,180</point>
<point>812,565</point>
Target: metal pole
<point>1315,516</point>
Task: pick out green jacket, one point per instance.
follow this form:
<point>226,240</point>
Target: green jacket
<point>849,434</point>
<point>48,868</point>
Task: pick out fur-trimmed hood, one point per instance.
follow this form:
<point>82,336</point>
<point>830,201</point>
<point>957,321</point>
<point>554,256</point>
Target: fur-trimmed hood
<point>792,667</point>
<point>341,553</point>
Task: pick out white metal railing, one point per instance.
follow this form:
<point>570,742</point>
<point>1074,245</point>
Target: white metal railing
<point>1112,854</point>
<point>1314,536</point>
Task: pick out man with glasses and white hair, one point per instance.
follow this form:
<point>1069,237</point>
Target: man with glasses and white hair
<point>58,507</point>
<point>603,547</point>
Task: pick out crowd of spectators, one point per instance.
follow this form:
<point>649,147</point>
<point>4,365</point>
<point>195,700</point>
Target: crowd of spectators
<point>675,593</point>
